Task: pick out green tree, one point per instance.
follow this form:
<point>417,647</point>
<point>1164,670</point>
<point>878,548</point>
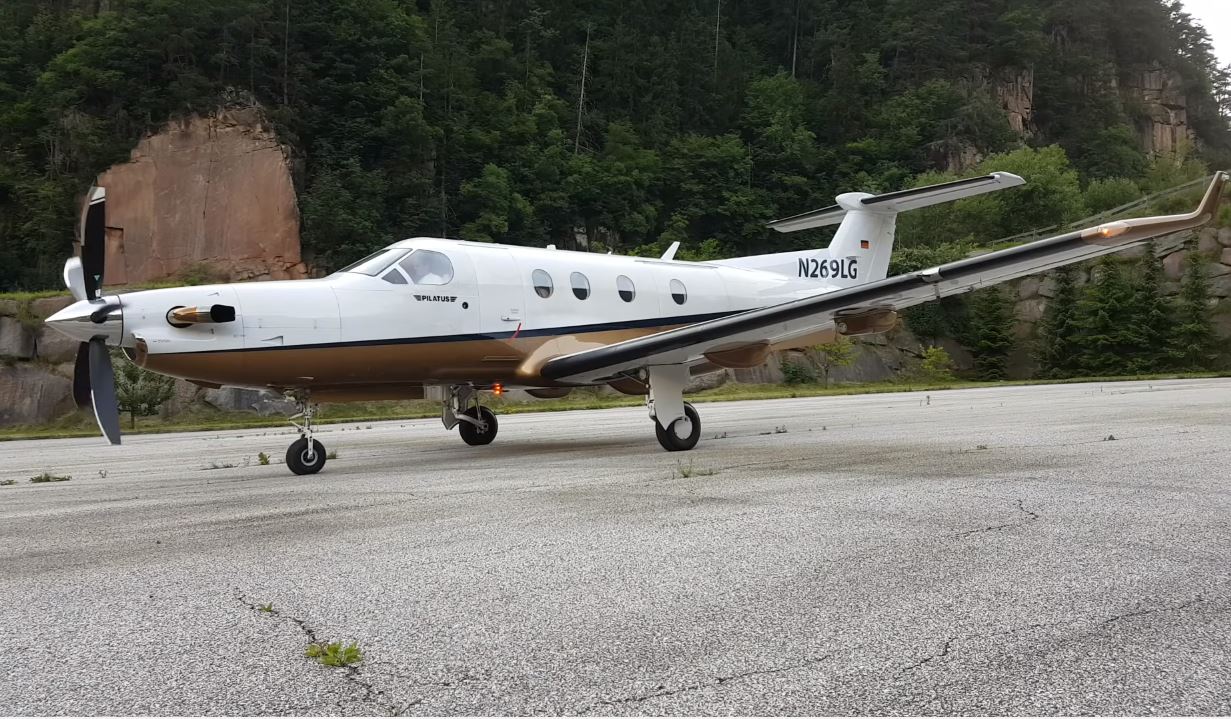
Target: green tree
<point>1058,344</point>
<point>138,392</point>
<point>937,365</point>
<point>831,355</point>
<point>1105,343</point>
<point>1193,344</point>
<point>989,332</point>
<point>1150,323</point>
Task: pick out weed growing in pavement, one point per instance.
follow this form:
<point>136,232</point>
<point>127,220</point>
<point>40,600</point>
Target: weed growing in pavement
<point>331,454</point>
<point>8,483</point>
<point>267,608</point>
<point>262,459</point>
<point>49,477</point>
<point>335,654</point>
<point>689,470</point>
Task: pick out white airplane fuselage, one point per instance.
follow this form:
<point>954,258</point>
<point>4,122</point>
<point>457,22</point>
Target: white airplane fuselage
<point>360,336</point>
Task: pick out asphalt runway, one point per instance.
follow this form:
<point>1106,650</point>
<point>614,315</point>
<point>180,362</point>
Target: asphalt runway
<point>984,551</point>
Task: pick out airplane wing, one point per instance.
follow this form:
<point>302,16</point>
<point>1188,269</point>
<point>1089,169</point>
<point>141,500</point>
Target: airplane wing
<point>796,319</point>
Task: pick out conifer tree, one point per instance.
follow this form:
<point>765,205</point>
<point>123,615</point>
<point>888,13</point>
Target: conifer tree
<point>1058,348</point>
<point>1149,324</point>
<point>990,332</point>
<point>1104,342</point>
<point>1193,345</point>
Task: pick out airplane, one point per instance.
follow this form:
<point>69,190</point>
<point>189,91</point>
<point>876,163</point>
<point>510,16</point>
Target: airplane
<point>475,317</point>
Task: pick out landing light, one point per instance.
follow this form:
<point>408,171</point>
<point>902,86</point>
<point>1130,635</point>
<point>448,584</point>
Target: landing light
<point>1113,229</point>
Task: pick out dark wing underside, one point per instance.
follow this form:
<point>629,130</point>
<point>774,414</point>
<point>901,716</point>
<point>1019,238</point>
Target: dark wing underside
<point>780,324</point>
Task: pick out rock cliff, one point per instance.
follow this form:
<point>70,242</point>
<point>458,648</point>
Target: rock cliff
<point>206,194</point>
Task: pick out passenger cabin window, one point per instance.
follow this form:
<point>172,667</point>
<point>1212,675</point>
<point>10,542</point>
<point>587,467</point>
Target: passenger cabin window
<point>626,289</point>
<point>425,267</point>
<point>394,276</point>
<point>542,283</point>
<point>581,286</point>
<point>678,292</point>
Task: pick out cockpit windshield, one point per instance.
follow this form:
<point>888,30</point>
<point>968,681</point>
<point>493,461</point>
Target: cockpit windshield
<point>376,262</point>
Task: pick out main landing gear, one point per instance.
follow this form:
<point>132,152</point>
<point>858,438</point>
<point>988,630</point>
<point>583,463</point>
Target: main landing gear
<point>676,423</point>
<point>305,455</point>
<point>476,424</point>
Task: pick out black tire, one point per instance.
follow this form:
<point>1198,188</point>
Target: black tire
<point>297,459</point>
<point>476,436</point>
<point>671,441</point>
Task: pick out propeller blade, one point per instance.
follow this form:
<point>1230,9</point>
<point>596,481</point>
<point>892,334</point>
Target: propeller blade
<point>93,241</point>
<point>74,278</point>
<point>102,390</point>
<point>81,376</point>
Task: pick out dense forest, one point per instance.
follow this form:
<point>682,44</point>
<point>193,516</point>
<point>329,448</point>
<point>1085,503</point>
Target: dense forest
<point>622,125</point>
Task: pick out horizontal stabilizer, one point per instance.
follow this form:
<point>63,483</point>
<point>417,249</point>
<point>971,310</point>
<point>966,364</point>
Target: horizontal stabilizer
<point>900,201</point>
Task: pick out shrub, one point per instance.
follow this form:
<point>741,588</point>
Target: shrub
<point>937,365</point>
<point>798,373</point>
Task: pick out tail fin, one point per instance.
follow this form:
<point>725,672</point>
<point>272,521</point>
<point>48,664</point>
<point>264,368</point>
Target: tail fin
<point>861,247</point>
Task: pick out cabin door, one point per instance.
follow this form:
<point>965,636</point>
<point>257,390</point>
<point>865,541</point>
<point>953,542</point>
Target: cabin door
<point>501,290</point>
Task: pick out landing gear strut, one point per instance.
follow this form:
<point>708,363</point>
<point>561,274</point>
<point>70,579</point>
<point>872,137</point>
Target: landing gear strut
<point>476,424</point>
<point>676,423</point>
<point>305,455</point>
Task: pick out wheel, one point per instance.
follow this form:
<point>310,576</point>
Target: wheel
<point>683,433</point>
<point>474,435</point>
<point>297,457</point>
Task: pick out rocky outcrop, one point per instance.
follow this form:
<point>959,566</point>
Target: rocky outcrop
<point>1163,125</point>
<point>1015,92</point>
<point>206,195</point>
<point>32,394</point>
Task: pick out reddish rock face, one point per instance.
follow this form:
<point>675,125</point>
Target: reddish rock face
<point>210,195</point>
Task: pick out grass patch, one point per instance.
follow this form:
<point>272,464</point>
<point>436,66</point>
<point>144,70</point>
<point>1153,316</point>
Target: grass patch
<point>335,654</point>
<point>81,424</point>
<point>49,477</point>
<point>31,296</point>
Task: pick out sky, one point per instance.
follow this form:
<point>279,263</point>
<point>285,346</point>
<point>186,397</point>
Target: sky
<point>1215,16</point>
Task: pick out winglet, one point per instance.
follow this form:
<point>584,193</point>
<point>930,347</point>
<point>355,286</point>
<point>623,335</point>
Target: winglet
<point>670,253</point>
<point>1213,196</point>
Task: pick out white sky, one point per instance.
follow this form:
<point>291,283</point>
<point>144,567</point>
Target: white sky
<point>1215,16</point>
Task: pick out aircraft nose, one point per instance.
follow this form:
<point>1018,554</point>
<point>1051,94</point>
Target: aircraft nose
<point>85,320</point>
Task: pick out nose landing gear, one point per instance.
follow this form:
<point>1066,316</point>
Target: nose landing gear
<point>477,425</point>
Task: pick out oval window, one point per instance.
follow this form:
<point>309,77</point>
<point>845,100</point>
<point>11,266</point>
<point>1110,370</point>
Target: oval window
<point>425,267</point>
<point>542,283</point>
<point>626,289</point>
<point>581,286</point>
<point>678,292</point>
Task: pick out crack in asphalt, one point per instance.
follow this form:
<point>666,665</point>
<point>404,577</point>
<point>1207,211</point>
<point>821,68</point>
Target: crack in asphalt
<point>944,652</point>
<point>1143,612</point>
<point>662,691</point>
<point>351,673</point>
<point>948,643</point>
<point>1020,506</point>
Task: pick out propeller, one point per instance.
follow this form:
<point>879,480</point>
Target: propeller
<point>93,375</point>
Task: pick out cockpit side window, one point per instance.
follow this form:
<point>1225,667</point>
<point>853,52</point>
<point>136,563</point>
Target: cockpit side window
<point>394,277</point>
<point>425,267</point>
